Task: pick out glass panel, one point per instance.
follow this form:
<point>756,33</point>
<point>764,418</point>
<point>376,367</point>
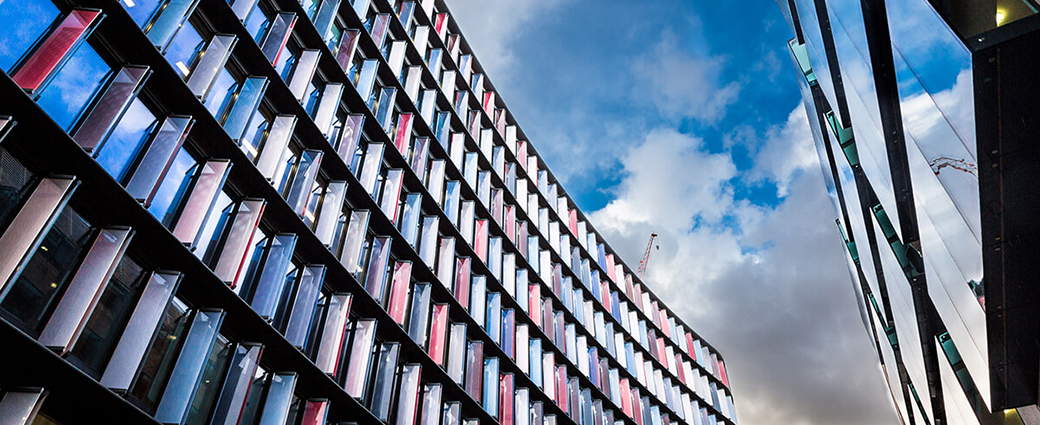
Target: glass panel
<point>350,136</point>
<point>279,396</point>
<point>383,384</point>
<point>306,173</point>
<point>347,45</point>
<point>410,217</point>
<point>404,133</point>
<point>114,100</point>
<point>331,206</point>
<point>74,85</point>
<point>237,238</point>
<point>377,268</point>
<point>168,21</point>
<point>391,196</point>
<point>244,106</point>
<point>385,108</point>
<point>209,387</point>
<point>428,241</point>
<point>236,386</point>
<point>265,290</point>
<point>304,302</point>
<point>30,296</point>
<point>136,337</point>
<point>278,34</point>
<point>30,223</point>
<point>370,169</point>
<point>397,305</point>
<point>438,333</point>
<point>431,405</point>
<point>167,201</point>
<point>158,157</point>
<point>475,369</point>
<point>354,240</point>
<point>27,20</point>
<point>210,62</point>
<point>274,146</point>
<point>126,140</point>
<point>327,107</point>
<point>55,49</point>
<point>200,202</point>
<point>19,407</point>
<point>303,72</point>
<point>333,333</point>
<point>408,397</point>
<point>326,17</point>
<point>456,352</point>
<point>101,332</point>
<point>187,371</point>
<point>360,357</point>
<point>150,381</point>
<point>366,80</point>
<point>315,412</point>
<point>242,8</point>
<point>83,292</point>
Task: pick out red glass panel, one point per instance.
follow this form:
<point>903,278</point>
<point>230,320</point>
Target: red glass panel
<point>57,47</point>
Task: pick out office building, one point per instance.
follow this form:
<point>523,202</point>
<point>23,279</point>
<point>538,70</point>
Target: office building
<point>924,119</point>
<point>303,212</point>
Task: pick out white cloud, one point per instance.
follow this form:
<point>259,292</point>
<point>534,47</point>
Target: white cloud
<point>681,84</point>
<point>769,288</point>
<point>490,26</point>
<point>786,152</point>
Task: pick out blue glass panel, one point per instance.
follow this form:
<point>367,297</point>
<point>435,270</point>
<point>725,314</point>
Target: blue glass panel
<point>24,21</point>
<point>169,21</point>
<point>126,140</point>
<point>183,49</point>
<point>167,199</point>
<point>73,86</point>
<point>220,93</point>
<point>141,10</point>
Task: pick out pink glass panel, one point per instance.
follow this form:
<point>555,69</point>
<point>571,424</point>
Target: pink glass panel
<point>200,201</point>
<point>398,304</point>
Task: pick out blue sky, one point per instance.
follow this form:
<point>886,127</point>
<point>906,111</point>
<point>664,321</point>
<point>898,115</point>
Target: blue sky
<point>684,118</point>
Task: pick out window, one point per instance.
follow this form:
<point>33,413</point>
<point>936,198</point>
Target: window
<point>157,365</point>
<point>73,86</point>
<point>126,140</point>
<point>165,205</point>
<point>102,330</point>
<point>31,298</point>
<point>16,184</point>
<point>184,49</point>
<point>25,21</point>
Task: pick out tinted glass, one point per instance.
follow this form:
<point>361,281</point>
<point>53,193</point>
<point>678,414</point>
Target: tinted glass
<point>126,140</point>
<point>173,188</point>
<point>37,289</point>
<point>24,21</point>
<point>102,330</point>
<point>157,364</point>
<point>73,86</point>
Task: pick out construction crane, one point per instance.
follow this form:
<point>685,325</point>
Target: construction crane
<point>646,257</point>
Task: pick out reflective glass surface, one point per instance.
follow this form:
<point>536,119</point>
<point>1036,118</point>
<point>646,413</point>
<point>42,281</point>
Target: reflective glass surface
<point>30,299</point>
<point>26,20</point>
<point>102,330</point>
<point>165,205</point>
<point>126,140</point>
<point>74,86</point>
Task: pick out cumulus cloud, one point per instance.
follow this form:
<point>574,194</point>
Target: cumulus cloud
<point>681,84</point>
<point>769,287</point>
<point>783,152</point>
